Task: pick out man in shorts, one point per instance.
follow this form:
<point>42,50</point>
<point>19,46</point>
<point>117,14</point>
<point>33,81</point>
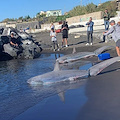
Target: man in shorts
<point>115,31</point>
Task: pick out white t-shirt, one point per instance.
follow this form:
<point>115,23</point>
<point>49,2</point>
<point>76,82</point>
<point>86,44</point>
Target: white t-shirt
<point>54,36</point>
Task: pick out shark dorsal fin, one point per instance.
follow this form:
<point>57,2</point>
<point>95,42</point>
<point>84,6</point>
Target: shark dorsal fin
<point>62,96</point>
<point>74,50</point>
<point>57,67</point>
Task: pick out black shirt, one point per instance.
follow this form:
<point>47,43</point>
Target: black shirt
<point>15,41</point>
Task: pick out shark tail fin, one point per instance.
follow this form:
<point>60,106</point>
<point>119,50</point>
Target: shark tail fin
<point>101,49</point>
<point>74,50</point>
<point>57,66</point>
<point>96,69</point>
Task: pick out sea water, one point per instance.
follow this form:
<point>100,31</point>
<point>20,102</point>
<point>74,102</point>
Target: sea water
<point>20,101</point>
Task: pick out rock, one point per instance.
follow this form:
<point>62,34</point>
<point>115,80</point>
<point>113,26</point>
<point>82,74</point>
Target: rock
<point>28,50</point>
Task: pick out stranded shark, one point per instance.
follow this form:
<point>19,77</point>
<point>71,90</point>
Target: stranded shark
<point>58,75</point>
<point>77,56</point>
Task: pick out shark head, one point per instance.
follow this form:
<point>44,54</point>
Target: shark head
<point>33,81</point>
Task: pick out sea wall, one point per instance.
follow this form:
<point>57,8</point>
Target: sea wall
<point>82,18</point>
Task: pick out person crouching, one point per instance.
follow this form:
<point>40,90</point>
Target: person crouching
<point>54,39</point>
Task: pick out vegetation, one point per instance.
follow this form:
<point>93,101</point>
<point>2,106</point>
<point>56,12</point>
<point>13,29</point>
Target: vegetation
<point>76,11</point>
<point>80,10</point>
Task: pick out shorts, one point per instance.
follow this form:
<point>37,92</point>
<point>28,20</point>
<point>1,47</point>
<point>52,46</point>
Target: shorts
<point>65,36</point>
<point>118,43</point>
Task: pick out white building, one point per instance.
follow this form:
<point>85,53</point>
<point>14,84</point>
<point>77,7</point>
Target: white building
<point>42,12</point>
<point>53,13</point>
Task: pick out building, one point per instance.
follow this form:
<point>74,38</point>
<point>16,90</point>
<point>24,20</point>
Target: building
<point>53,13</point>
<point>118,4</point>
<point>42,13</point>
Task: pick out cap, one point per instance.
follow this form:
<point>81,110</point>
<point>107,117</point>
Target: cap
<point>12,33</point>
<point>112,21</point>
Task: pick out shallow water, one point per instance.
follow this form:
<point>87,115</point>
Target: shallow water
<point>16,96</point>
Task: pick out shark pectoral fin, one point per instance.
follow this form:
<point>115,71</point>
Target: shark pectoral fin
<point>57,67</point>
<point>62,96</point>
<point>74,50</point>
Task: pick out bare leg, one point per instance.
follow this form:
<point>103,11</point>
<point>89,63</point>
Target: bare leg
<point>66,41</point>
<point>118,51</point>
<point>62,42</point>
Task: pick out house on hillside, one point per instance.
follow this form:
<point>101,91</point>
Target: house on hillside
<point>53,13</point>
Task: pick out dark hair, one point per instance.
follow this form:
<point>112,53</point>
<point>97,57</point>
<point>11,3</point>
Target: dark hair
<point>52,29</point>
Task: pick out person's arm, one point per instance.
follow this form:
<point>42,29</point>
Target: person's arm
<point>13,43</point>
<point>108,16</point>
<point>109,31</point>
<point>104,15</point>
<point>67,27</point>
<point>91,24</point>
<point>62,27</point>
<point>88,23</point>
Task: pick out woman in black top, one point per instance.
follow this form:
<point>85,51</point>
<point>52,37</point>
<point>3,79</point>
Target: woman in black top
<point>64,32</point>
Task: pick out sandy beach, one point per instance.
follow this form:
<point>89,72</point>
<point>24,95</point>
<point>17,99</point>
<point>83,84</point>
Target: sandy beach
<point>79,43</point>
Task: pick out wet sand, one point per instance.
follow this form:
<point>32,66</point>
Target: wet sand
<point>79,43</point>
<point>101,93</point>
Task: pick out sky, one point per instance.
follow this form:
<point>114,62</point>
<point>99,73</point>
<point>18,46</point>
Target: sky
<point>18,8</point>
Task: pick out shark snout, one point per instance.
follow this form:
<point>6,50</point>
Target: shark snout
<point>34,82</point>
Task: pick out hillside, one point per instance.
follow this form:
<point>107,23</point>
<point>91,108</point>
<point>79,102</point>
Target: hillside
<point>80,10</point>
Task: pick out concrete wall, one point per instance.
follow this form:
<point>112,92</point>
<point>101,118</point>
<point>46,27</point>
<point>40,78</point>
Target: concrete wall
<point>47,26</point>
<point>31,25</point>
<point>11,25</point>
<point>2,25</point>
<point>82,18</point>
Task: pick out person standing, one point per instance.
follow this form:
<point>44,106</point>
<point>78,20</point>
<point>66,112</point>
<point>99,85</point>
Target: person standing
<point>54,39</point>
<point>52,26</point>
<point>115,31</point>
<point>90,31</point>
<point>64,30</point>
<point>106,17</point>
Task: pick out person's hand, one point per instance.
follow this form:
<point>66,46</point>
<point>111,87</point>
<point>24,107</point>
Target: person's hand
<point>16,45</point>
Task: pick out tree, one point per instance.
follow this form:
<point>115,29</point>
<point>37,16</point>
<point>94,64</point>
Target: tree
<point>20,18</point>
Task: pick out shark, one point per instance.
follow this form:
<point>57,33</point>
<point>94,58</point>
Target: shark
<point>79,55</point>
<point>58,75</point>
